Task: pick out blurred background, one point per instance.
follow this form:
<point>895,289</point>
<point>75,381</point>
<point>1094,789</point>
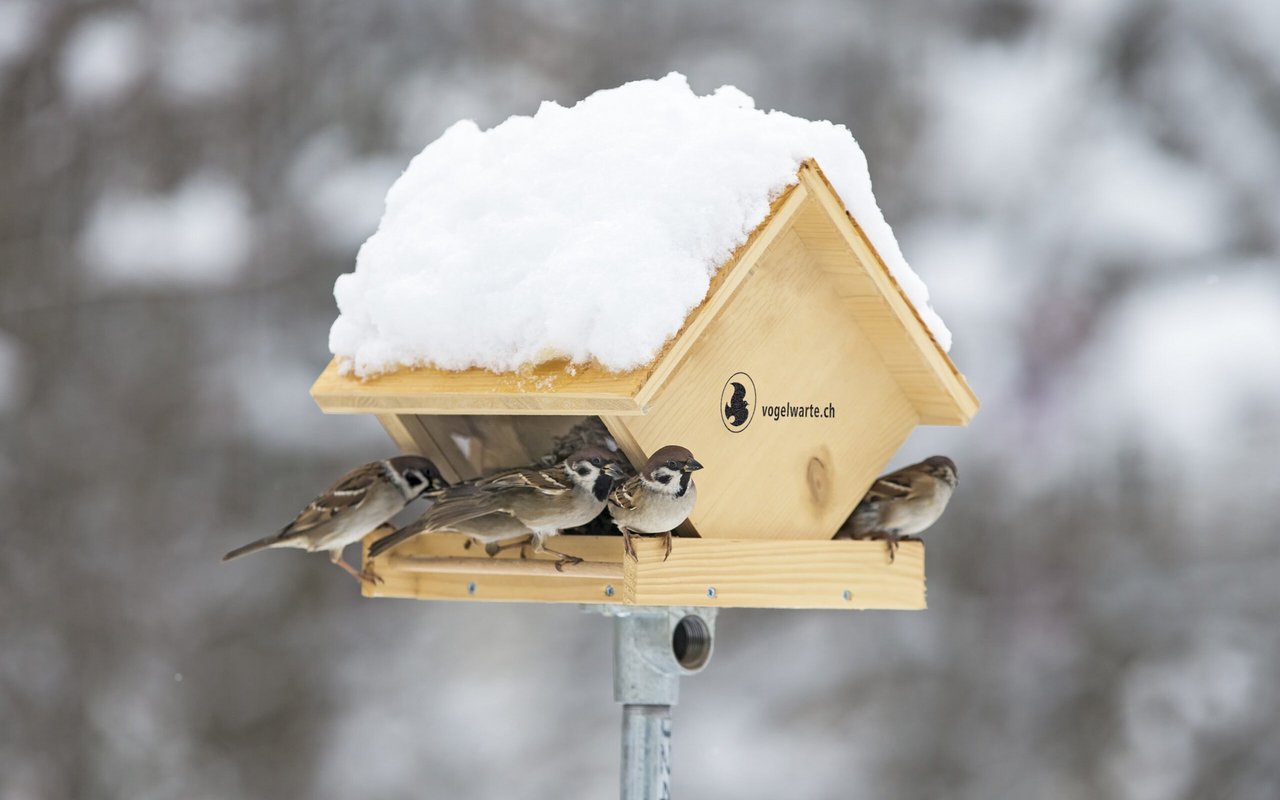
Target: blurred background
<point>1090,189</point>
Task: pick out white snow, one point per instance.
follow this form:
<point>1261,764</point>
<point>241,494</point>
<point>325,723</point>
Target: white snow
<point>587,232</point>
<point>199,235</point>
<point>103,59</point>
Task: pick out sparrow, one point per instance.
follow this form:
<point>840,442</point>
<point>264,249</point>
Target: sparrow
<point>903,503</point>
<point>590,432</point>
<point>356,504</point>
<point>530,502</point>
<point>658,499</point>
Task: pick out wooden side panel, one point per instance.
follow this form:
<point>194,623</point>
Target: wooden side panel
<point>465,446</point>
<point>727,574</point>
<point>879,306</point>
<point>481,444</point>
<point>412,436</point>
<point>793,477</point>
<point>778,574</point>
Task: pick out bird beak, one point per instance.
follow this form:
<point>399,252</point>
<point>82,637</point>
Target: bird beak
<point>692,465</point>
<point>614,471</point>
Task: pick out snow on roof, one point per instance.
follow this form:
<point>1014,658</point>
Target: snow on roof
<point>584,233</point>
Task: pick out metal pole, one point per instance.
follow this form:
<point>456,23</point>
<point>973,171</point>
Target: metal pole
<point>646,752</point>
<point>652,647</point>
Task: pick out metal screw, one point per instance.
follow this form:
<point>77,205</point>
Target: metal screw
<point>711,591</point>
<point>608,590</point>
<point>848,595</point>
<point>471,588</point>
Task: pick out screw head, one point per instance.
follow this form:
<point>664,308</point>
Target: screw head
<point>711,591</point>
<point>471,588</point>
<point>608,590</point>
<point>848,595</point>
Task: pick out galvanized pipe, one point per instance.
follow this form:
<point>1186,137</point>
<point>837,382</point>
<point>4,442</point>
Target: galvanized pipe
<point>646,752</point>
<point>652,647</point>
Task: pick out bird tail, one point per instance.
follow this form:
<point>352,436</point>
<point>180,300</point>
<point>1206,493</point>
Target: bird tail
<point>252,547</point>
<point>392,539</point>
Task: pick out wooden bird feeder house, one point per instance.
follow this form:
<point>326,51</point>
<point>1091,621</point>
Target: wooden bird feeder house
<point>795,381</point>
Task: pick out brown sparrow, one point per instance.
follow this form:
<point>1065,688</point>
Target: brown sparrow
<point>903,503</point>
<point>357,503</point>
<point>530,502</point>
<point>658,499</point>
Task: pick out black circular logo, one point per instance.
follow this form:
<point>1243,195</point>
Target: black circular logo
<point>738,402</point>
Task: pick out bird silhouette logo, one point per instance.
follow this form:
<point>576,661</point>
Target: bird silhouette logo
<point>738,402</point>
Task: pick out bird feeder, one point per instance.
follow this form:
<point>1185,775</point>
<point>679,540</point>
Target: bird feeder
<point>794,382</point>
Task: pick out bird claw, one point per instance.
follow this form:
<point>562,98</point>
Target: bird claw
<point>369,576</point>
<point>565,559</point>
<point>667,553</point>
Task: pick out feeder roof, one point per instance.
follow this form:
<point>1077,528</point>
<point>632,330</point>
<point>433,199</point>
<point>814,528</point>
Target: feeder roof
<point>586,234</point>
<point>808,209</point>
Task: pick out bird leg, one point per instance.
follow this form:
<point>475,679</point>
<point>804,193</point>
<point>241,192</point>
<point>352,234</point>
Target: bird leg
<point>668,536</point>
<point>891,541</point>
<point>628,546</point>
<point>336,557</point>
<point>367,574</point>
<point>493,548</point>
<point>565,558</point>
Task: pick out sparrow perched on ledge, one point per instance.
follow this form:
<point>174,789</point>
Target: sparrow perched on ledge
<point>357,503</point>
<point>903,503</point>
<point>527,502</point>
<point>658,499</point>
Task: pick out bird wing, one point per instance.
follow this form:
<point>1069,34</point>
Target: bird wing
<point>464,504</point>
<point>626,495</point>
<point>902,484</point>
<point>349,492</point>
<point>539,480</point>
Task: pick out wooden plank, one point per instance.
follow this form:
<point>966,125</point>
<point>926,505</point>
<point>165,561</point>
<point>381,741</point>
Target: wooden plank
<point>548,388</point>
<point>924,370</point>
<point>756,574</point>
<point>796,478</point>
<point>608,570</point>
<point>540,584</point>
<point>777,574</point>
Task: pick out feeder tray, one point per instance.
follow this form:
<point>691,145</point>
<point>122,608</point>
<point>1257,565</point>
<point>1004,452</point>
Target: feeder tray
<point>804,315</point>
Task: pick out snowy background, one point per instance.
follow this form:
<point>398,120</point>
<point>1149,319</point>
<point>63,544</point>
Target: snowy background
<point>1090,189</point>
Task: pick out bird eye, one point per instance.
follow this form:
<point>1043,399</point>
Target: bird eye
<point>596,461</point>
<point>672,465</point>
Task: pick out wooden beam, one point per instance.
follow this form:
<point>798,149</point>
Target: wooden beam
<point>923,369</point>
<point>722,573</point>
<point>777,574</point>
<point>610,570</point>
<point>548,388</point>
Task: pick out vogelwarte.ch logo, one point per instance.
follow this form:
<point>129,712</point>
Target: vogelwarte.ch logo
<point>738,402</point>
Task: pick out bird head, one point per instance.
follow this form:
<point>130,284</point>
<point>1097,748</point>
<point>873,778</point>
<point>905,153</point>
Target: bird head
<point>667,464</point>
<point>942,468</point>
<point>419,474</point>
<point>588,465</point>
